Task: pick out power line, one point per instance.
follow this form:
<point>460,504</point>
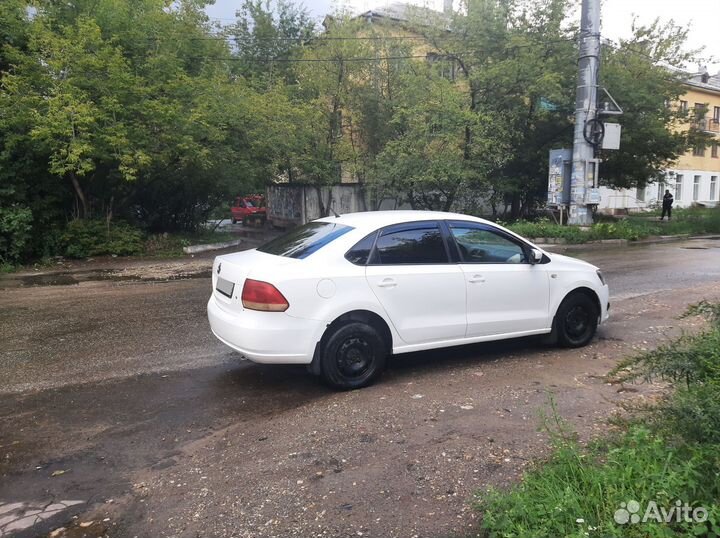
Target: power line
<point>308,60</point>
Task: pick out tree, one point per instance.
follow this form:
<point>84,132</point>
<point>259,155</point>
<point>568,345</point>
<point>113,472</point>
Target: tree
<point>519,57</point>
<point>428,162</point>
<point>655,130</point>
<point>267,36</point>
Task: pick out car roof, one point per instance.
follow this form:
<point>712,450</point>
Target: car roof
<point>378,219</point>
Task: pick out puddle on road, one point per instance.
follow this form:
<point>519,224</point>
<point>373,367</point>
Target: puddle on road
<point>59,279</point>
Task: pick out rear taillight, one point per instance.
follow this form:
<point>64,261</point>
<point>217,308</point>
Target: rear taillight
<point>257,295</point>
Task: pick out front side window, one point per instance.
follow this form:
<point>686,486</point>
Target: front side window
<point>479,244</point>
<point>302,241</point>
<point>422,244</point>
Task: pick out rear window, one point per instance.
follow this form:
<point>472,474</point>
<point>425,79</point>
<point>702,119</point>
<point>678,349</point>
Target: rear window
<point>410,246</point>
<point>302,241</point>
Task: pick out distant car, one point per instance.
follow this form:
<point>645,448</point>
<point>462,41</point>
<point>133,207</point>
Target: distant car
<point>343,293</point>
<point>246,208</point>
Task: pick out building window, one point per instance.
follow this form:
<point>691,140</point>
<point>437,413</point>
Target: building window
<point>699,150</point>
<point>696,188</point>
<point>713,187</point>
<point>683,106</point>
<point>678,187</point>
<point>661,190</point>
<point>714,150</point>
<point>640,194</point>
<point>716,114</point>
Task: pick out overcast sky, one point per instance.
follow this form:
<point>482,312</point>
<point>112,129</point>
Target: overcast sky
<point>703,16</point>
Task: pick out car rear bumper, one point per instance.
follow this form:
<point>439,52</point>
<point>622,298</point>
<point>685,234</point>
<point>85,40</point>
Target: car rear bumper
<point>265,337</point>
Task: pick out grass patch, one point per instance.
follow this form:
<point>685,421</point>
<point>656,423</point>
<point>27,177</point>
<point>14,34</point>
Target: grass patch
<point>670,453</point>
<point>685,221</point>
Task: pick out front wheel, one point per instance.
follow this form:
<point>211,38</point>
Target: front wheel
<point>352,357</point>
<point>576,321</point>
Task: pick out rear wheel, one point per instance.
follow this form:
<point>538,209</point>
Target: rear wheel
<point>576,320</point>
<point>352,356</point>
<point>234,220</point>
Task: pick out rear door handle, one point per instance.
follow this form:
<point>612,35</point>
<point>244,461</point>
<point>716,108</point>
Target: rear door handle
<point>387,283</point>
<point>476,278</point>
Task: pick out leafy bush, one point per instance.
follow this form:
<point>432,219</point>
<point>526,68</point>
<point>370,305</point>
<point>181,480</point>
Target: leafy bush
<point>546,228</point>
<point>83,238</point>
<point>15,233</point>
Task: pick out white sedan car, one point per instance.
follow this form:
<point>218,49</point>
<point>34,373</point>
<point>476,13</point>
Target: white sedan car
<point>343,293</point>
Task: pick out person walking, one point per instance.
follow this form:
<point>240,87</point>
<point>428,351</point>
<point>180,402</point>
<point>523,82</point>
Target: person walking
<point>667,205</point>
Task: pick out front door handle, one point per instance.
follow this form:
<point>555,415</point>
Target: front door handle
<point>387,283</point>
<point>476,278</point>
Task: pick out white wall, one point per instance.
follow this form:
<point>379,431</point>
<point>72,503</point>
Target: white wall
<point>631,200</point>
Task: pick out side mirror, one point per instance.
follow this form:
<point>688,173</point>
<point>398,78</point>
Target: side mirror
<point>536,256</point>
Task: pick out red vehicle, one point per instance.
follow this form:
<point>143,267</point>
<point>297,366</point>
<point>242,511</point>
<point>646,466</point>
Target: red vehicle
<point>247,208</point>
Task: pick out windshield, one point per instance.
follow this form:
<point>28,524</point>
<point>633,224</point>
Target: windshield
<point>302,241</point>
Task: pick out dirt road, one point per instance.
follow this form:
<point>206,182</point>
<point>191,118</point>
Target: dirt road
<point>120,412</point>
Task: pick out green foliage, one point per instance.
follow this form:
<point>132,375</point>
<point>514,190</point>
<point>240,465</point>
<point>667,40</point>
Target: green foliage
<point>693,410</point>
<point>15,227</point>
<point>634,74</point>
<point>577,491</point>
<point>147,112</point>
<point>686,221</point>
<point>84,238</point>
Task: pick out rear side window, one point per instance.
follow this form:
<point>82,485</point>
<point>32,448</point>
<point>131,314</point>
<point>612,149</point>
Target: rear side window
<point>360,253</point>
<point>423,244</point>
<point>302,241</point>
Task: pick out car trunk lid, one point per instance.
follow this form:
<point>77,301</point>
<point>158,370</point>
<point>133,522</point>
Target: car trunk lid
<point>231,270</point>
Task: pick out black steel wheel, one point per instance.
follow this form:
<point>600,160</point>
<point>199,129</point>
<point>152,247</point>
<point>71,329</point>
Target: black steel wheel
<point>352,356</point>
<point>576,320</point>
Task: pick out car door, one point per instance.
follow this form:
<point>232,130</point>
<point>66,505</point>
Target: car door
<point>412,278</point>
<point>505,293</point>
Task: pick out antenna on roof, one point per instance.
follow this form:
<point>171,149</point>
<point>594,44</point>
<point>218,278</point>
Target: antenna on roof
<point>334,212</point>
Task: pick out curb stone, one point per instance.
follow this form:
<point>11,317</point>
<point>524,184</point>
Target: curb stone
<point>604,243</point>
<point>195,249</point>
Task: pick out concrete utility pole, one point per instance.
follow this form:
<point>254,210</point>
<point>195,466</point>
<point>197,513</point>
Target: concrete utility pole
<point>583,155</point>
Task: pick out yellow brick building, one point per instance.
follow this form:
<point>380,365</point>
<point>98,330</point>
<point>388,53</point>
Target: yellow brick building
<point>697,173</point>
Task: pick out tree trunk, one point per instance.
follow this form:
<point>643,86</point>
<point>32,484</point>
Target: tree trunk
<point>80,195</point>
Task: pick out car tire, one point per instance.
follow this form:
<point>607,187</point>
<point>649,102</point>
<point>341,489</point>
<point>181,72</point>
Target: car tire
<point>576,321</point>
<point>352,356</point>
<point>234,220</point>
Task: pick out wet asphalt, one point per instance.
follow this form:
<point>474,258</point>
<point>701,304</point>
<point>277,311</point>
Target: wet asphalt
<point>108,383</point>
